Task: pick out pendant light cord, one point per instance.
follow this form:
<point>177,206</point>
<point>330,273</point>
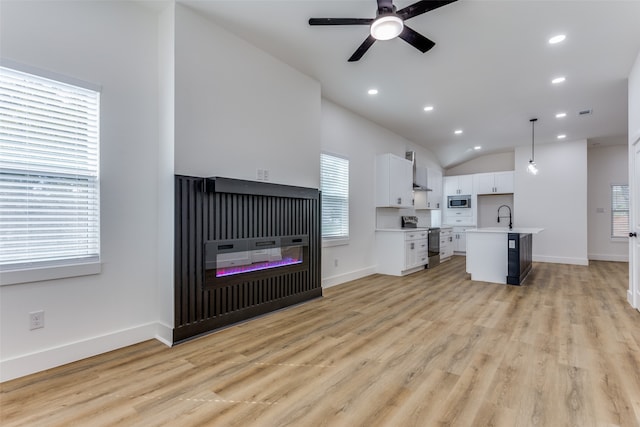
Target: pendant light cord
<point>533,121</point>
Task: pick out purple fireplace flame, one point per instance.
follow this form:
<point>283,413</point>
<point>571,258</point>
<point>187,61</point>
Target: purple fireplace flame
<point>229,271</point>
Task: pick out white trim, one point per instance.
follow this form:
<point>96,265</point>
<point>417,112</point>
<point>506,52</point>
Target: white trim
<point>164,334</point>
<point>327,243</point>
<point>47,74</point>
<point>14,277</point>
<point>347,277</point>
<point>27,364</point>
<point>609,257</point>
<point>561,260</point>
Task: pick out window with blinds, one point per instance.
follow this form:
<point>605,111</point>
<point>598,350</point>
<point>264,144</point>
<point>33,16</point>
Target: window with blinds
<point>334,185</point>
<point>49,188</point>
<point>619,210</point>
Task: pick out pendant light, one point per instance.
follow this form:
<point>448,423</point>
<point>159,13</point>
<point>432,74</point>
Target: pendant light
<point>532,168</point>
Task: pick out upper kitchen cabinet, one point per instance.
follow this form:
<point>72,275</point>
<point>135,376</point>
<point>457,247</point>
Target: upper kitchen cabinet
<point>394,182</point>
<point>431,199</point>
<point>494,183</point>
<point>458,184</point>
<point>434,197</point>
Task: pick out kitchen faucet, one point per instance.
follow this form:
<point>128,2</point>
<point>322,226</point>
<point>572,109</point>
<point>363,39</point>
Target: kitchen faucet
<point>505,206</point>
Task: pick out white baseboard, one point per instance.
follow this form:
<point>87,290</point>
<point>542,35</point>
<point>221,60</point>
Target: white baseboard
<point>609,257</point>
<point>164,334</point>
<point>328,282</point>
<point>31,363</point>
<point>630,298</point>
<point>561,260</point>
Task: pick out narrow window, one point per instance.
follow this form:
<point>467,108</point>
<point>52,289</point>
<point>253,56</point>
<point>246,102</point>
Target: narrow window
<point>619,210</point>
<point>49,182</point>
<point>334,184</point>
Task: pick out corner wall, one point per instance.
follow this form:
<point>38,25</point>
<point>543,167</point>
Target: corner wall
<point>555,199</point>
<point>238,109</point>
<point>115,45</point>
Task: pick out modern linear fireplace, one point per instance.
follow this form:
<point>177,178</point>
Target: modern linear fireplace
<point>242,249</point>
<point>240,260</point>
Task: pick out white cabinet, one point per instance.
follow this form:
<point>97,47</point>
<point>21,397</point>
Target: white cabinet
<point>394,187</point>
<point>434,197</point>
<point>400,252</point>
<point>460,239</point>
<point>416,251</point>
<point>446,243</point>
<point>459,216</point>
<point>494,183</point>
<point>430,199</point>
<point>458,184</point>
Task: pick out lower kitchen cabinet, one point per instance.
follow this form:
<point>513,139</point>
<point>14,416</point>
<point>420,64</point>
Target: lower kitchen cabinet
<point>401,252</point>
<point>446,243</point>
<point>460,239</point>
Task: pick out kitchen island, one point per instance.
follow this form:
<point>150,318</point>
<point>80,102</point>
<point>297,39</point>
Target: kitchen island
<point>500,255</point>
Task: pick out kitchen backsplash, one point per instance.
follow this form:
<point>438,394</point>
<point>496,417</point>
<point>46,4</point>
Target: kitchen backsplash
<point>488,210</point>
<point>390,217</point>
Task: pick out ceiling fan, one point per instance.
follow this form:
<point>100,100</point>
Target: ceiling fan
<point>388,24</point>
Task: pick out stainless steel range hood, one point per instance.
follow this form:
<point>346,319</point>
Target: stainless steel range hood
<point>419,174</point>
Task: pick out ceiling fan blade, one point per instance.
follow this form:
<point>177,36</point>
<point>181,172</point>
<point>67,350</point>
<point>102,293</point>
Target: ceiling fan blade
<point>416,40</point>
<point>366,44</point>
<point>421,7</point>
<point>340,21</point>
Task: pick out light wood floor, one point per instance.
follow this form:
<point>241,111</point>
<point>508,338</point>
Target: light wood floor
<point>431,349</point>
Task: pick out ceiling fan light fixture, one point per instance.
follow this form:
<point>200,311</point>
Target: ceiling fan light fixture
<point>387,27</point>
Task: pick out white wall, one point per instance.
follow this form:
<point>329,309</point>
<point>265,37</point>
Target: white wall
<point>487,163</point>
<point>607,165</point>
<point>113,44</point>
<point>351,136</point>
<point>555,199</point>
<point>238,109</point>
<point>166,197</point>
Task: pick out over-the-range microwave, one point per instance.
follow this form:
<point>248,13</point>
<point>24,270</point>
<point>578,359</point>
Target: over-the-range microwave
<point>459,202</point>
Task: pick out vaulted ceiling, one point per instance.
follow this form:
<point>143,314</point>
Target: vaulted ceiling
<point>489,73</point>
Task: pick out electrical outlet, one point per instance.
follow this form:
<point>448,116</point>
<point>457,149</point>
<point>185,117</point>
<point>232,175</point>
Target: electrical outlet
<point>36,320</point>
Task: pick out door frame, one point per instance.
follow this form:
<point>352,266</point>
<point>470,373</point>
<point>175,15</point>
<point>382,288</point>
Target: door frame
<point>633,294</point>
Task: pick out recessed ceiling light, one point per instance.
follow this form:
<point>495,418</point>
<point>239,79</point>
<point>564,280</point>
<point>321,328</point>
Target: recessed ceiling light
<point>477,147</point>
<point>557,39</point>
<point>558,80</point>
<point>373,91</point>
<point>458,131</point>
<point>561,115</point>
<point>562,136</point>
<point>428,108</point>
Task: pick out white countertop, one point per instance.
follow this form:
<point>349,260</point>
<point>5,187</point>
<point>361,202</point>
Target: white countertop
<point>521,230</point>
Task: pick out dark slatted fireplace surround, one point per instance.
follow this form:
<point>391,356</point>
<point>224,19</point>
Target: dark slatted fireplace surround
<point>242,249</point>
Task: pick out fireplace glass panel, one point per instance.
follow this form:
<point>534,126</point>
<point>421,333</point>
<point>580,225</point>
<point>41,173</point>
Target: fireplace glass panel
<point>228,264</point>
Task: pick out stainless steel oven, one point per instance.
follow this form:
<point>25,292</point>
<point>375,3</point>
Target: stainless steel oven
<point>434,246</point>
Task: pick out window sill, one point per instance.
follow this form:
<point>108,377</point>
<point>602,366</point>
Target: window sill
<point>334,242</point>
<point>14,277</point>
<point>619,239</point>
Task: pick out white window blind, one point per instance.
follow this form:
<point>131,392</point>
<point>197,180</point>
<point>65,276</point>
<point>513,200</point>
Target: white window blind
<point>334,184</point>
<point>49,188</point>
<point>619,210</point>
